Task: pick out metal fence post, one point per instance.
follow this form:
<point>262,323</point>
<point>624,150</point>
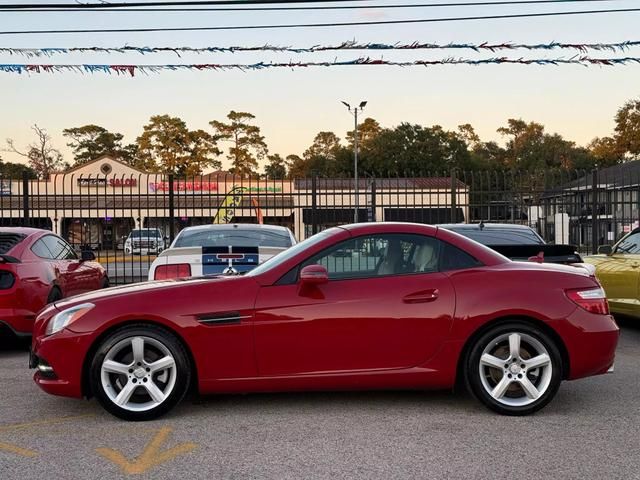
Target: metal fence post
<point>594,212</point>
<point>314,204</point>
<point>373,201</point>
<point>25,197</point>
<point>172,213</point>
<point>454,185</point>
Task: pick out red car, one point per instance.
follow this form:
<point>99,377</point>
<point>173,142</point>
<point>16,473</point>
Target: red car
<point>366,306</point>
<point>38,268</point>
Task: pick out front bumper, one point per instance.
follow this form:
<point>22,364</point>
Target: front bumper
<point>59,361</point>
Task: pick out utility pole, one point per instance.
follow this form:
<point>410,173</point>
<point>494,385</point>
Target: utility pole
<point>355,153</point>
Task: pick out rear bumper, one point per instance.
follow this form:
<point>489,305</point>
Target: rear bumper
<point>64,353</point>
<point>591,342</point>
<point>20,322</point>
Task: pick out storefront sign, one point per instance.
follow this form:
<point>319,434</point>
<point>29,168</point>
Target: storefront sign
<point>123,182</point>
<point>184,187</point>
<point>103,182</point>
<point>91,182</point>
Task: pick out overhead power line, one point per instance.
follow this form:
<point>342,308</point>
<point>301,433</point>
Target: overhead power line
<point>317,25</point>
<point>166,3</point>
<point>152,8</point>
<point>345,46</point>
<point>133,69</point>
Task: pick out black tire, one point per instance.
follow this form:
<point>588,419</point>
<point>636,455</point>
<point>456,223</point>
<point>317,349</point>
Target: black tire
<point>170,342</point>
<point>478,382</point>
<point>54,295</point>
<point>105,283</point>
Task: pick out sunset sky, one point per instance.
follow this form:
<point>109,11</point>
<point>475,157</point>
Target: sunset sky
<point>291,106</point>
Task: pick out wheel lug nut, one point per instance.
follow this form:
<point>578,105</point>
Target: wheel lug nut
<point>509,375</point>
<point>519,375</point>
<point>148,369</point>
<point>135,381</point>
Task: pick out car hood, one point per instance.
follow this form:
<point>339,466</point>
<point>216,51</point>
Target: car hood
<point>136,288</point>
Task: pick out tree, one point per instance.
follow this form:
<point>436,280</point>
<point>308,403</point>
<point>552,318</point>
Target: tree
<point>276,168</point>
<point>92,141</point>
<point>247,145</point>
<point>367,131</point>
<point>324,155</point>
<point>167,145</point>
<point>202,148</point>
<point>297,167</point>
<point>469,135</point>
<point>606,151</point>
<point>16,171</point>
<point>627,128</point>
<point>529,147</point>
<point>411,149</point>
<point>41,155</point>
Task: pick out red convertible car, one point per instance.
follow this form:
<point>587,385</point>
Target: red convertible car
<point>37,268</point>
<point>365,306</point>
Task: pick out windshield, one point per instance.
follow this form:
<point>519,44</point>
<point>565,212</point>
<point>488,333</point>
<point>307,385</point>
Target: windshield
<point>236,237</point>
<point>144,234</point>
<point>501,236</point>
<point>279,259</point>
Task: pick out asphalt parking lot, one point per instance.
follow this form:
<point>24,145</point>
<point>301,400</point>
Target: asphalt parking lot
<point>591,430</point>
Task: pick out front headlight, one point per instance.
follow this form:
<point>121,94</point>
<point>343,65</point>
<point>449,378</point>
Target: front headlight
<point>65,317</point>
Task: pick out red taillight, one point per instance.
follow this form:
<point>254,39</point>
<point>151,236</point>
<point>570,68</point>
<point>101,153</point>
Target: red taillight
<point>178,270</point>
<point>592,300</point>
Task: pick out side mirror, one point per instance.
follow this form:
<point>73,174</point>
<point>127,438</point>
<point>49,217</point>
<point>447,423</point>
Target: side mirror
<point>87,256</point>
<point>605,250</point>
<point>314,275</point>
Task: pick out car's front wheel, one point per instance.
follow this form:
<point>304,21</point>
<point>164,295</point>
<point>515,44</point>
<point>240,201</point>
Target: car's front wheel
<point>140,372</point>
<point>514,369</point>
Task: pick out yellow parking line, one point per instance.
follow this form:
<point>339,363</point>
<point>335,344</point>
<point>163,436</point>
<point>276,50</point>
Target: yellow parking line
<point>23,452</point>
<point>18,426</point>
<point>151,456</point>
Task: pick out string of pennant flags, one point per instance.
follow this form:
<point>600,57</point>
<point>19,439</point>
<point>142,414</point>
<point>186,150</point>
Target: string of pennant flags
<point>132,70</point>
<point>346,46</point>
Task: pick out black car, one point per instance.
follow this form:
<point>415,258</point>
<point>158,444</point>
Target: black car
<point>518,242</point>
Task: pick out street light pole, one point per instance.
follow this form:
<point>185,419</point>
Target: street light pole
<point>355,155</point>
<point>355,164</point>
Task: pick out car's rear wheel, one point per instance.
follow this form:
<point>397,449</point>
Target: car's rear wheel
<point>140,372</point>
<point>514,369</point>
<point>105,282</point>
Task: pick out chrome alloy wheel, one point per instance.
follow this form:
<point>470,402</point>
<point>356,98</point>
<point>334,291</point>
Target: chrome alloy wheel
<point>515,369</point>
<point>138,373</point>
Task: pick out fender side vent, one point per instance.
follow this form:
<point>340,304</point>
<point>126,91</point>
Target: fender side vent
<point>224,318</point>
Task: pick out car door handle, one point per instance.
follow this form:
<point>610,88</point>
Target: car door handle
<point>424,296</point>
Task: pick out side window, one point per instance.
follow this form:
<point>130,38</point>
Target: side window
<point>452,258</point>
<point>41,250</point>
<point>60,250</point>
<point>69,252</point>
<point>631,244</point>
<point>379,255</point>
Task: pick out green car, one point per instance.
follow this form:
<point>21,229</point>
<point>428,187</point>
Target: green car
<point>618,269</point>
